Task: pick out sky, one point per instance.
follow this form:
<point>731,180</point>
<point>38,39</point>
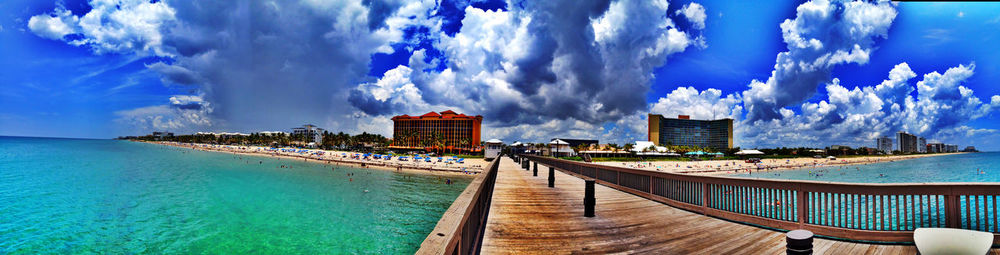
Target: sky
<point>790,73</point>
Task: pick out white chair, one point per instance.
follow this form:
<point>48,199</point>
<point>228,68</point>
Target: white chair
<point>931,241</point>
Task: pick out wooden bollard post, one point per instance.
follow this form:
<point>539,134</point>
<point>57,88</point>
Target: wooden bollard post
<point>536,169</point>
<point>588,199</point>
<point>799,242</point>
<point>524,165</point>
<point>552,177</point>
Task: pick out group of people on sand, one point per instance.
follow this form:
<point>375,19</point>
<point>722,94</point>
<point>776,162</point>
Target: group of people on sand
<point>332,157</point>
<point>751,166</point>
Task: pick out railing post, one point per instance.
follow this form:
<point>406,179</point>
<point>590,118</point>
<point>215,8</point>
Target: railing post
<point>951,212</point>
<point>536,169</point>
<point>552,177</point>
<point>588,198</point>
<point>803,206</point>
<point>704,198</point>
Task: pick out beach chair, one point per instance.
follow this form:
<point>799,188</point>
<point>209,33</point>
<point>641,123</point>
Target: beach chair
<point>932,241</point>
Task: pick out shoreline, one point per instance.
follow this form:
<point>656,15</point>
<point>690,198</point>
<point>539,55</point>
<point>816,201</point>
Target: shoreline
<point>722,167</point>
<point>468,169</point>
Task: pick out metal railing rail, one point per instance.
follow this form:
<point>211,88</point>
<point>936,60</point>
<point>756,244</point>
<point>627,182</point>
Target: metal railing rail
<point>461,228</point>
<point>855,211</point>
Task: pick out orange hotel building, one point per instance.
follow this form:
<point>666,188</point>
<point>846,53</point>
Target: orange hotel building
<point>409,131</point>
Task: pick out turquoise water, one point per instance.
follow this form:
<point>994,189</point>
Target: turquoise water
<point>945,168</point>
<point>118,197</point>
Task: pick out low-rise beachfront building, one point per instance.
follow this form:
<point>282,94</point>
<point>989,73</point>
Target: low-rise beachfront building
<point>492,149</point>
<point>935,147</point>
<point>312,133</point>
<point>647,148</point>
<point>447,130</point>
<point>907,142</point>
<point>160,136</point>
<point>716,134</point>
<point>970,149</point>
<point>272,133</point>
<point>560,148</point>
<point>573,143</point>
<point>884,144</point>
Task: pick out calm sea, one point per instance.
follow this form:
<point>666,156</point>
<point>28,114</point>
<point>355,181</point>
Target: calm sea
<point>945,168</point>
<point>118,197</point>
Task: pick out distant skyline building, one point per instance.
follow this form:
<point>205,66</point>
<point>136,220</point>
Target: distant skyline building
<point>684,131</point>
<point>884,144</point>
<point>457,131</point>
<point>907,143</point>
<point>162,135</point>
<point>573,142</point>
<point>311,132</point>
<point>951,148</point>
<point>935,147</point>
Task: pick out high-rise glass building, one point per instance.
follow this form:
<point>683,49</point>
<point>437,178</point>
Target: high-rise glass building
<point>716,134</point>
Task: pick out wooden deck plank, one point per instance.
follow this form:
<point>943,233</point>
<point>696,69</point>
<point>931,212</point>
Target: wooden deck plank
<point>528,217</point>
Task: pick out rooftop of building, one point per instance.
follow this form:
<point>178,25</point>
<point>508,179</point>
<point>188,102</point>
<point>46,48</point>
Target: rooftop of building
<point>448,114</point>
<point>685,117</point>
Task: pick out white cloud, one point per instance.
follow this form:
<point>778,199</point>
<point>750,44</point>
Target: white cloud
<point>706,104</point>
<point>695,13</point>
<point>853,116</point>
<point>55,25</point>
<point>182,113</point>
<point>822,35</point>
<point>111,26</point>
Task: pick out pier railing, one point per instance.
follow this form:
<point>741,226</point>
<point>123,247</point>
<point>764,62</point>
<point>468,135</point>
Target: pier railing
<point>461,228</point>
<point>855,211</point>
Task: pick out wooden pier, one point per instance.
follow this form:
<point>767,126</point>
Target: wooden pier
<point>527,216</point>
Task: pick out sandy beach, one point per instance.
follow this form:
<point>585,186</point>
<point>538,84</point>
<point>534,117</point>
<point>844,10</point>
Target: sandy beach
<point>472,166</point>
<point>715,167</point>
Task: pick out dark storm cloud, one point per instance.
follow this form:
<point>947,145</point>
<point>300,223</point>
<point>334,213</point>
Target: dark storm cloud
<point>273,64</point>
<point>542,60</point>
<point>378,11</point>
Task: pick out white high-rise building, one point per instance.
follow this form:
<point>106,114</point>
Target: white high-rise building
<point>921,145</point>
<point>884,144</point>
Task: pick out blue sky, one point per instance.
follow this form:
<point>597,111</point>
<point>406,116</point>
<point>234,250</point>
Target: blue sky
<point>534,70</point>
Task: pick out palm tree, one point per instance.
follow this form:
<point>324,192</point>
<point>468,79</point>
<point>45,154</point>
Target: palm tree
<point>439,142</point>
<point>465,143</point>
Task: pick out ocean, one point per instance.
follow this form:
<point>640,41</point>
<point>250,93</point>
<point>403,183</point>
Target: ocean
<point>120,197</point>
<point>964,167</point>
